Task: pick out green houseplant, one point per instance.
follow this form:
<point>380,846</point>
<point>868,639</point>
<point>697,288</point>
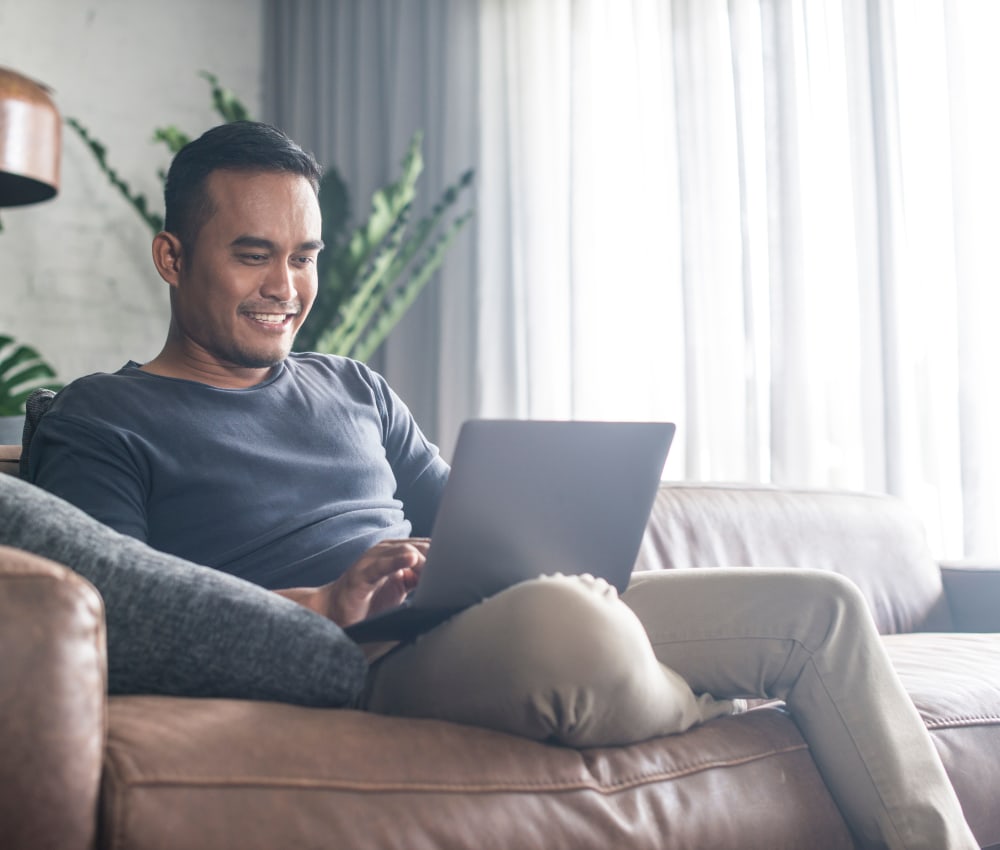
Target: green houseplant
<point>22,371</point>
<point>369,273</point>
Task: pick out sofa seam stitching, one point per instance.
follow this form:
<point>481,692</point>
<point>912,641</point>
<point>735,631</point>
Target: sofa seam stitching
<point>527,786</point>
<point>954,722</point>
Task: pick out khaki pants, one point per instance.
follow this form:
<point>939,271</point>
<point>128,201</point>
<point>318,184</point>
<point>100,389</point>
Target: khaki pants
<point>562,659</point>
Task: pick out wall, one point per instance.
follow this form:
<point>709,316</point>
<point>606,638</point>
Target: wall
<point>76,280</point>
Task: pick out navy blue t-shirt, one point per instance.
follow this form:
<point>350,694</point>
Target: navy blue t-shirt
<point>284,484</point>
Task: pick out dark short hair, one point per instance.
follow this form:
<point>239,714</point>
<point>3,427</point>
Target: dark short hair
<point>239,146</point>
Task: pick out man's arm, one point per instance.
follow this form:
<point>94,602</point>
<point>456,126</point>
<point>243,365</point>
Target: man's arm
<point>419,469</point>
<point>89,469</point>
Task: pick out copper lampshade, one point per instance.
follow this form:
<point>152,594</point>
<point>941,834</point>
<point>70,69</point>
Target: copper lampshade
<point>29,141</point>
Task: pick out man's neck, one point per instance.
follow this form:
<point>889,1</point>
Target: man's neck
<point>207,371</point>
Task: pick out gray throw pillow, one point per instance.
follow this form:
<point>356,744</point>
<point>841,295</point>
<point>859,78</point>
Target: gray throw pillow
<point>177,628</point>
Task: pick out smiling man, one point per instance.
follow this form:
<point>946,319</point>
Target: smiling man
<point>288,470</point>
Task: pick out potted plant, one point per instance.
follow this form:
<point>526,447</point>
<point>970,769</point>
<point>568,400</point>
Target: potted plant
<point>369,274</point>
<point>22,371</point>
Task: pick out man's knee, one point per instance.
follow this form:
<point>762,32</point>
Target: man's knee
<point>557,658</point>
<point>571,629</point>
<point>840,596</point>
<point>580,664</point>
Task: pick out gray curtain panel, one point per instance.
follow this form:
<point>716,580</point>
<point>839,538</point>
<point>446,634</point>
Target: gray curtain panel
<point>352,80</point>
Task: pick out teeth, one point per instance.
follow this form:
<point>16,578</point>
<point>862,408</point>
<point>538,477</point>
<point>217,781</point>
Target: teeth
<point>272,318</point>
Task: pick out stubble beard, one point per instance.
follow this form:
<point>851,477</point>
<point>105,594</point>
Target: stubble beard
<point>244,357</point>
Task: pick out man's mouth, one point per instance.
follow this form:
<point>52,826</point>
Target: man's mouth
<point>271,318</point>
<point>276,318</point>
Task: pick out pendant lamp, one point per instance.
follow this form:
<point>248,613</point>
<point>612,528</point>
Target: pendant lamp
<point>30,139</point>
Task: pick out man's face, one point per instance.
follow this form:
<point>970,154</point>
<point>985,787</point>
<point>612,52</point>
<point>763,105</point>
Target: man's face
<point>244,289</point>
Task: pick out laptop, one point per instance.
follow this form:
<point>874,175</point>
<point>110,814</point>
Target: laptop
<point>529,498</point>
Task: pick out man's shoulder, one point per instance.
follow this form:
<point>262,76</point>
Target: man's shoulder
<point>309,364</point>
<point>313,361</point>
<point>96,409</point>
<point>96,388</point>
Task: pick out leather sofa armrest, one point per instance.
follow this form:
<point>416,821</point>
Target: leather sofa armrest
<point>973,593</point>
<point>53,704</point>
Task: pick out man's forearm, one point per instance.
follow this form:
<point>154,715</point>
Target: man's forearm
<point>314,598</point>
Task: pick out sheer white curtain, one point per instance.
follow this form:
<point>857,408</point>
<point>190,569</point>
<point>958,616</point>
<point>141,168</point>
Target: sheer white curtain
<point>973,67</point>
<point>770,221</point>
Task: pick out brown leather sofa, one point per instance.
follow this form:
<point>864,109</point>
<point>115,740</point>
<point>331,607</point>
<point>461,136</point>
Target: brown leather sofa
<point>79,770</point>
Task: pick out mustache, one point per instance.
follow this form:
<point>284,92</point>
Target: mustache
<point>293,307</point>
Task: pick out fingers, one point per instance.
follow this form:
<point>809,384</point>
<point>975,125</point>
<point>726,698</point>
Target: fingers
<point>405,557</point>
<point>380,579</point>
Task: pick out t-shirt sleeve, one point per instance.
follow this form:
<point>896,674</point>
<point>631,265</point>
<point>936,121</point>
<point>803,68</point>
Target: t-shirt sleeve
<point>422,496</point>
<point>91,469</point>
<point>419,469</point>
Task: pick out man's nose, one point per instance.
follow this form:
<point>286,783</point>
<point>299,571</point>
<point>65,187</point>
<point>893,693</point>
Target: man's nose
<point>279,283</point>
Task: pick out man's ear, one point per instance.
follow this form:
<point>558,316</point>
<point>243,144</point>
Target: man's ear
<point>168,255</point>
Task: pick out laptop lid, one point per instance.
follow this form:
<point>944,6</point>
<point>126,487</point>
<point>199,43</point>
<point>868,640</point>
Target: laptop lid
<point>529,498</point>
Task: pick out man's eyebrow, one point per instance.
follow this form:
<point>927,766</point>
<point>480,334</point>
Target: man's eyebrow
<point>252,242</point>
<point>267,244</point>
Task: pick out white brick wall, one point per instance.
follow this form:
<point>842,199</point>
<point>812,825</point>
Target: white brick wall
<point>76,280</point>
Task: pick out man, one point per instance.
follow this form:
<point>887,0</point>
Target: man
<point>307,474</point>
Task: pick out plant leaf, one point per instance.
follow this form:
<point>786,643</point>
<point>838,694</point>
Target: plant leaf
<point>225,102</point>
<point>392,309</point>
<point>137,201</point>
<point>22,370</point>
<point>172,137</point>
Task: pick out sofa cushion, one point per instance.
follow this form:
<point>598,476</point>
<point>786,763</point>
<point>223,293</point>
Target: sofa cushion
<point>874,540</point>
<point>230,774</point>
<point>178,628</point>
<point>954,680</point>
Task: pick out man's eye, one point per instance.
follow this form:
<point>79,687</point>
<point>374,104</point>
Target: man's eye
<point>253,258</point>
<point>305,260</point>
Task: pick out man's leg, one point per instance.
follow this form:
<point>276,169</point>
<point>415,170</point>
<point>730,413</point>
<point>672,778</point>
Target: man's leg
<point>563,659</point>
<point>559,658</point>
<point>808,638</point>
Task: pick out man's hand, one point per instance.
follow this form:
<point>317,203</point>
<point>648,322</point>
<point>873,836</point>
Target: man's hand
<point>379,580</point>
